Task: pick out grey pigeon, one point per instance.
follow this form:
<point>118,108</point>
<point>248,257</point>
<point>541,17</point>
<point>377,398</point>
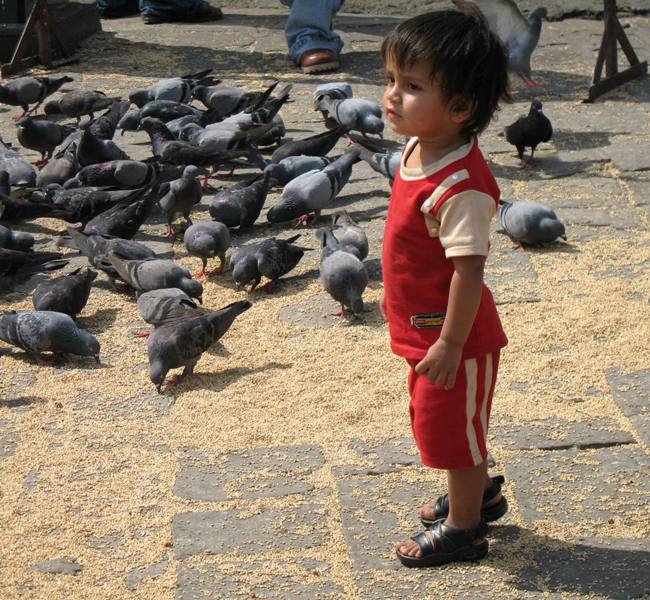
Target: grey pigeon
<point>30,90</point>
<point>180,196</point>
<point>339,90</point>
<point>67,294</point>
<point>78,103</point>
<point>104,126</point>
<point>41,135</point>
<point>175,126</point>
<point>165,305</point>
<point>352,113</point>
<point>59,169</point>
<point>519,34</point>
<point>274,135</point>
<point>348,233</point>
<point>182,342</point>
<point>163,110</point>
<point>15,240</point>
<point>125,218</point>
<point>115,173</point>
<point>20,172</point>
<point>387,163</point>
<point>176,89</point>
<point>530,223</point>
<point>154,274</point>
<point>224,136</point>
<point>97,249</point>
<point>342,274</point>
<point>207,239</point>
<point>529,130</point>
<point>291,167</point>
<point>315,145</point>
<point>313,191</point>
<point>271,258</point>
<point>92,150</point>
<point>240,206</point>
<point>46,331</point>
<point>225,100</point>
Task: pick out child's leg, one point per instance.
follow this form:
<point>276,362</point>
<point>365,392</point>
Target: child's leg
<point>466,487</point>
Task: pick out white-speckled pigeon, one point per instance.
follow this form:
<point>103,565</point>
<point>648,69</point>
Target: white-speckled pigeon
<point>270,258</point>
<point>182,342</point>
<point>157,273</point>
<point>530,223</point>
<point>313,191</point>
<point>519,34</point>
<point>207,239</point>
<point>77,103</point>
<point>529,130</point>
<point>180,196</point>
<point>342,274</point>
<point>46,331</point>
<point>67,294</point>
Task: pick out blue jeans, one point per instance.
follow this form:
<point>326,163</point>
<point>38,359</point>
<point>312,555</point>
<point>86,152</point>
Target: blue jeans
<point>309,26</point>
<point>151,6</point>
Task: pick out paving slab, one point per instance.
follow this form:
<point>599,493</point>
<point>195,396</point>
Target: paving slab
<point>558,434</point>
<point>597,484</point>
<point>61,566</point>
<point>133,579</point>
<point>299,579</point>
<point>631,392</point>
<point>223,532</point>
<point>251,474</point>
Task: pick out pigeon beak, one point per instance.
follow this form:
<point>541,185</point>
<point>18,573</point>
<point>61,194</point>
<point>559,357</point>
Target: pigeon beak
<point>97,358</point>
<point>158,388</point>
<point>563,237</point>
<point>200,299</point>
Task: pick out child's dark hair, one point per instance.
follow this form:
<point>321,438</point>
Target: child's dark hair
<point>464,56</point>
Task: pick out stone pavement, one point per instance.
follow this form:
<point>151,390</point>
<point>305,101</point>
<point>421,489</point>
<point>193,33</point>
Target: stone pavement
<point>281,471</point>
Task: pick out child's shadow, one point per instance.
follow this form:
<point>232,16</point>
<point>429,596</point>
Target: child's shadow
<point>606,567</point>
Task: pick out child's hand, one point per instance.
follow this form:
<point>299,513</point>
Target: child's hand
<point>441,363</point>
<point>382,306</point>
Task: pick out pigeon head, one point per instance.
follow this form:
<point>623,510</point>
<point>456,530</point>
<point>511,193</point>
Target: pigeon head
<point>356,304</point>
<point>244,270</point>
<point>150,125</point>
<point>157,373</point>
<point>190,172</point>
<point>552,228</point>
<point>373,124</point>
<point>540,12</point>
<point>83,344</point>
<point>225,316</point>
<point>188,130</point>
<point>192,288</point>
<point>52,108</point>
<point>287,210</point>
<point>277,171</point>
<point>21,241</point>
<point>535,106</point>
<point>139,97</point>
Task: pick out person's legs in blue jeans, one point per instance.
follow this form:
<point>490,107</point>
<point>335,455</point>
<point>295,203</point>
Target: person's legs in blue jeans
<point>161,11</point>
<point>117,8</point>
<point>309,27</point>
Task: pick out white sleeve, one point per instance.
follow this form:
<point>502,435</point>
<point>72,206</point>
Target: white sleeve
<point>465,224</point>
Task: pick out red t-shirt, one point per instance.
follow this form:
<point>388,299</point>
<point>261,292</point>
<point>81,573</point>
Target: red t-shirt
<point>435,213</point>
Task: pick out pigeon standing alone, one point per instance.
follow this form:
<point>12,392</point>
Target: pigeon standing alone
<point>529,130</point>
<point>530,223</point>
<point>182,342</point>
<point>519,34</point>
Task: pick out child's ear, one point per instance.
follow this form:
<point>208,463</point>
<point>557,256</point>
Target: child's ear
<point>461,110</point>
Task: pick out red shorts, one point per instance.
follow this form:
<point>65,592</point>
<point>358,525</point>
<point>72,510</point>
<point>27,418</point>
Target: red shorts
<point>450,426</point>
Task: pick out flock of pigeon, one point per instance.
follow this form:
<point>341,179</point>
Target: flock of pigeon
<point>88,181</point>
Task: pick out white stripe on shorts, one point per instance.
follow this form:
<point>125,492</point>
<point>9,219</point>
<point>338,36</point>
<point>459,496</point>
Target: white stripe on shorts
<point>471,373</point>
<point>486,395</point>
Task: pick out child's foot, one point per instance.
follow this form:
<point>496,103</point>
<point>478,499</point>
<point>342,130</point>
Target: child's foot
<point>441,544</point>
<point>494,505</point>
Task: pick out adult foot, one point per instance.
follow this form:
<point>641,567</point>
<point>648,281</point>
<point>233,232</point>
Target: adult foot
<point>204,13</point>
<point>319,60</point>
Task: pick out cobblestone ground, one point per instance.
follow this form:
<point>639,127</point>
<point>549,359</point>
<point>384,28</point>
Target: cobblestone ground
<point>285,467</point>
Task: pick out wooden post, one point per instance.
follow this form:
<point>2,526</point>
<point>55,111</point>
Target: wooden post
<point>608,56</point>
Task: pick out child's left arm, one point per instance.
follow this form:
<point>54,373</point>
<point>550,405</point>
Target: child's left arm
<point>441,361</point>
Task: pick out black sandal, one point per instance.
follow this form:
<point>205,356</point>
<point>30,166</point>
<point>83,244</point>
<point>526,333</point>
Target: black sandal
<point>488,514</point>
<point>441,544</point>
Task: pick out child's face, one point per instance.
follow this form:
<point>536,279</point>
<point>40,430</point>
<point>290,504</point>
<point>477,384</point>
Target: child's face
<point>414,105</point>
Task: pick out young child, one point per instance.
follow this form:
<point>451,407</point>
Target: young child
<point>446,75</point>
